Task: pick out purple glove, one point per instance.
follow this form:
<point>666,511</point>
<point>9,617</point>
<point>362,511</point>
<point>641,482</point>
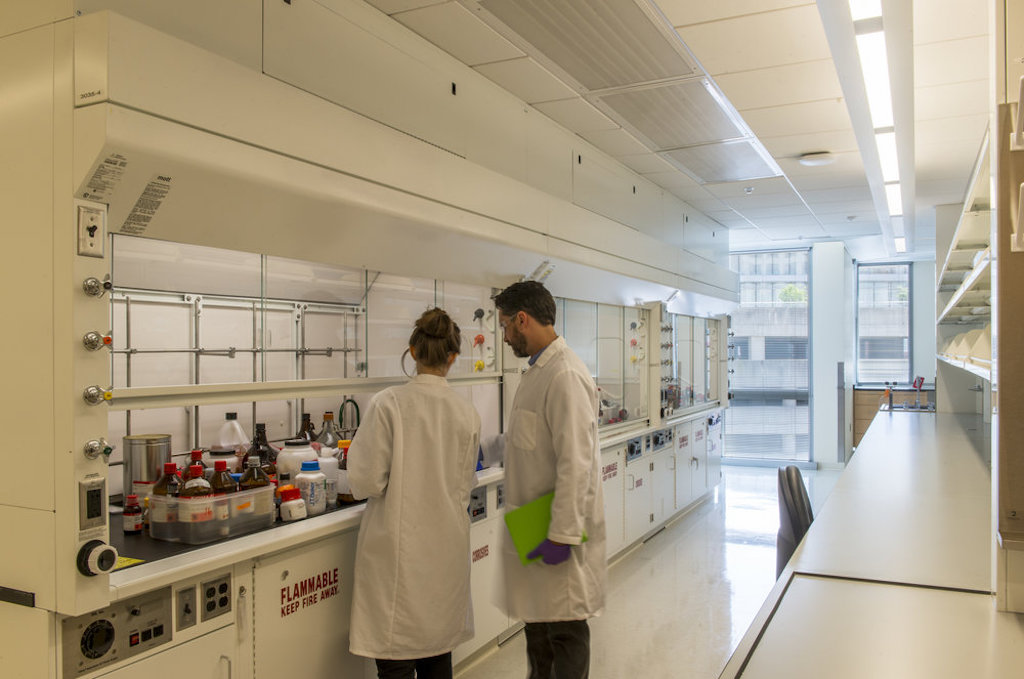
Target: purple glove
<point>551,553</point>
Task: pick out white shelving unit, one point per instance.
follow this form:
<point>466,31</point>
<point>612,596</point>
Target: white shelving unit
<point>964,282</point>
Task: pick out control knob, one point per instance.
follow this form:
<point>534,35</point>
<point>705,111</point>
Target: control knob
<point>96,557</point>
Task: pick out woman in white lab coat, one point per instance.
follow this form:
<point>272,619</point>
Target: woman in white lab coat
<point>414,457</point>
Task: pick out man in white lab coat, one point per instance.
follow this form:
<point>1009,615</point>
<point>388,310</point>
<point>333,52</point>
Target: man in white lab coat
<point>551,444</point>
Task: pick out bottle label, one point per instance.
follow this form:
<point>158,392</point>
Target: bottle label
<point>222,510</point>
<point>132,522</point>
<point>163,511</point>
<point>195,511</point>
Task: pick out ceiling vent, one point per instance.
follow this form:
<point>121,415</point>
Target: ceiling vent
<point>625,58</point>
<point>599,43</point>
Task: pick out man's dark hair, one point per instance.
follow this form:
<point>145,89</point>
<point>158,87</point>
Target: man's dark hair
<point>529,296</point>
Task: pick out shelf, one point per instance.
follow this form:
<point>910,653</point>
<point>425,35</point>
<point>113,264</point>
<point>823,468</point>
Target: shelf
<point>972,233</point>
<point>971,296</point>
<point>980,371</point>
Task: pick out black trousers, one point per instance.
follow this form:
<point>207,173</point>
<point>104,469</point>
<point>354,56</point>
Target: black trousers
<point>558,650</point>
<point>437,667</point>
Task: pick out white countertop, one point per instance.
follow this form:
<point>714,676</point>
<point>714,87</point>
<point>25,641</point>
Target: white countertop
<point>894,576</point>
<point>836,628</point>
<point>913,506</point>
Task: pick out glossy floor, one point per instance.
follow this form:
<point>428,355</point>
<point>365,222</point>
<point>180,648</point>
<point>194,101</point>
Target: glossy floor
<point>678,605</point>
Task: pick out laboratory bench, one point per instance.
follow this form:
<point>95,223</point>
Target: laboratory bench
<point>895,574</point>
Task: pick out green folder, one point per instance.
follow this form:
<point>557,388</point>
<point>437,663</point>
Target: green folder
<point>528,526</point>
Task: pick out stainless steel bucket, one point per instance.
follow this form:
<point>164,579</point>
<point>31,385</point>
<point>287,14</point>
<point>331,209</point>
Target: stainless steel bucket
<point>144,458</point>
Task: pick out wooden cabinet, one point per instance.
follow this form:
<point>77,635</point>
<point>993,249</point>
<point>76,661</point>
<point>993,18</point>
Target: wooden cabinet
<point>866,403</point>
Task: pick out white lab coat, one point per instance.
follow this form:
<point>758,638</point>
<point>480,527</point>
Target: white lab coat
<point>414,457</point>
<point>551,444</point>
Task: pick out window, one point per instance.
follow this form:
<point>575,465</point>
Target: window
<point>768,418</point>
<point>883,323</point>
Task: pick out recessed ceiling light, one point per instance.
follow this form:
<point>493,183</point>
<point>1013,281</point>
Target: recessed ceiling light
<point>816,158</point>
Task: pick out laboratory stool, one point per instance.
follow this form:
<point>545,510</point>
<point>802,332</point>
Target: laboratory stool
<point>795,515</point>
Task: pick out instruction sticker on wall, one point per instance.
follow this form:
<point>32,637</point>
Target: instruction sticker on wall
<point>146,206</point>
<point>105,177</point>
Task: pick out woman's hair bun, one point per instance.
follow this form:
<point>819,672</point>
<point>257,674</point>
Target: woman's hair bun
<point>435,323</point>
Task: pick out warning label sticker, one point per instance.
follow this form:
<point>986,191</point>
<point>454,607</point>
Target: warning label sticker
<point>105,177</point>
<point>146,206</point>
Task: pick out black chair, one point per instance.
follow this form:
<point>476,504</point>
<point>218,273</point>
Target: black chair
<point>795,515</point>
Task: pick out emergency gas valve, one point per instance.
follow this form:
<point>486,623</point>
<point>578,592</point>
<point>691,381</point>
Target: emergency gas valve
<point>96,557</point>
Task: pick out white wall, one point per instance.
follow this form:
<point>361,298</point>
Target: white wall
<point>831,343</point>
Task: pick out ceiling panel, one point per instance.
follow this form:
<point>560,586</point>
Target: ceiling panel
<point>615,142</point>
<point>806,81</point>
<point>846,194</point>
<point>851,229</point>
<point>674,115</point>
<point>817,116</point>
<point>646,163</point>
<point>600,44</point>
<point>791,229</point>
<point>769,186</point>
<point>732,161</point>
<point>787,36</point>
<point>392,6</point>
<point>577,115</point>
<point>526,79</point>
<point>758,214</point>
<point>454,29</point>
<point>793,145</point>
<point>955,99</point>
<point>677,180</point>
<point>932,19</point>
<point>684,12</point>
<point>950,61</point>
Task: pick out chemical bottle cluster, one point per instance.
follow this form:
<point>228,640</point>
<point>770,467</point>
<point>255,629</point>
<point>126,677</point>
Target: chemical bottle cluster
<point>240,485</point>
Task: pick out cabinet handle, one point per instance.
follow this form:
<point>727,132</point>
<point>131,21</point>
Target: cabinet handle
<point>241,613</point>
<point>225,663</point>
<point>632,481</point>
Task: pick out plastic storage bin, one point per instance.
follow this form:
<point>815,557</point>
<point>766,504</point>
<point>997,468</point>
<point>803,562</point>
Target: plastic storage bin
<point>195,521</point>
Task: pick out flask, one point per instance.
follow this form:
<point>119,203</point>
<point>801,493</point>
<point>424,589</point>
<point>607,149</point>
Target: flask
<point>313,485</point>
<point>195,510</point>
<point>344,489</point>
<point>132,515</point>
<point>329,435</point>
<point>296,451</point>
<point>306,430</point>
<point>231,439</point>
<point>262,450</point>
<point>292,505</point>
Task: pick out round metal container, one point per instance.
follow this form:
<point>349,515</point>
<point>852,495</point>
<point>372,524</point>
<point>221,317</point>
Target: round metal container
<point>144,458</point>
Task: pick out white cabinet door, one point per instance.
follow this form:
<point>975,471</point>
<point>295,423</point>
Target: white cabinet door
<point>684,464</point>
<point>301,602</point>
<point>612,467</point>
<point>663,485</point>
<point>485,580</point>
<point>638,498</point>
<point>211,656</point>
<point>699,457</point>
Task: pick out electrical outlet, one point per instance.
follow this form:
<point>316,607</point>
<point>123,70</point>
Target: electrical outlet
<point>216,597</point>
<point>91,230</point>
<point>185,608</point>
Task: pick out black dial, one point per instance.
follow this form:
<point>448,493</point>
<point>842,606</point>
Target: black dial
<point>97,639</point>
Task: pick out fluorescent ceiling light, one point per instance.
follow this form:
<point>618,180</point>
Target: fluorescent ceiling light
<point>894,197</point>
<point>886,142</point>
<point>901,245</point>
<point>865,9</point>
<point>874,63</point>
